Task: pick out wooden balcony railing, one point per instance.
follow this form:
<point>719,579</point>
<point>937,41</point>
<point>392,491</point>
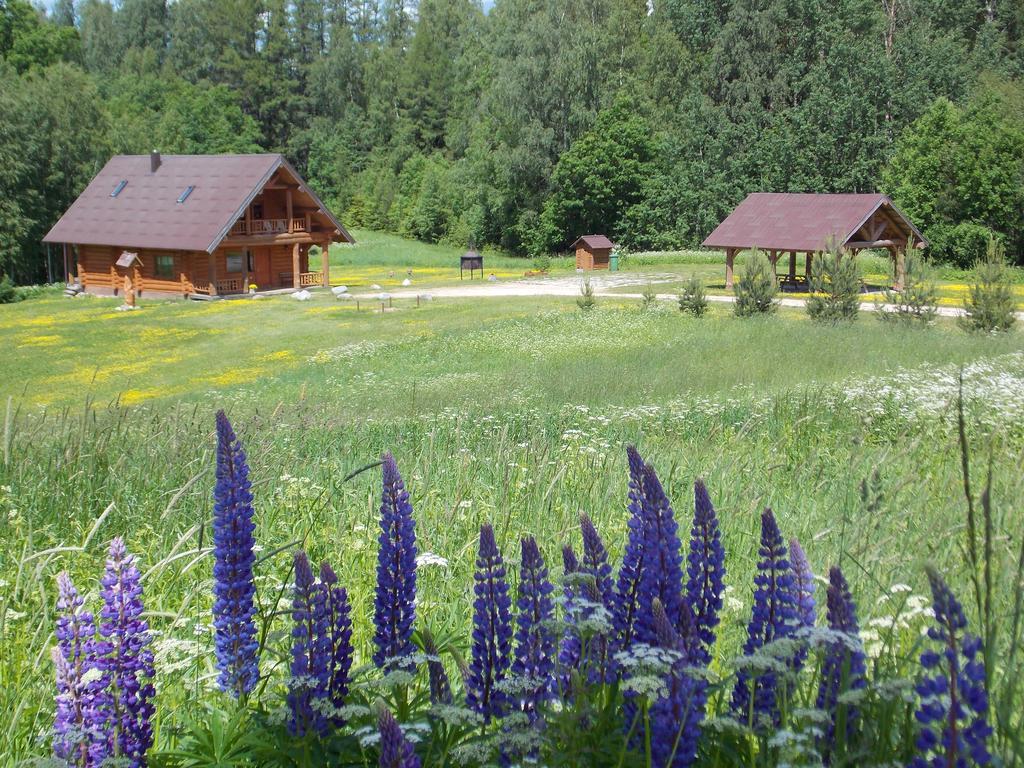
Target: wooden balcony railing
<point>268,226</point>
<point>310,278</point>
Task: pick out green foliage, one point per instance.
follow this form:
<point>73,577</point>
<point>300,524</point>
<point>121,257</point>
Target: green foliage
<point>8,293</point>
<point>990,305</point>
<point>756,286</point>
<point>29,41</point>
<point>835,288</point>
<point>693,298</point>
<point>648,296</point>
<point>586,300</point>
<point>962,245</point>
<point>915,304</point>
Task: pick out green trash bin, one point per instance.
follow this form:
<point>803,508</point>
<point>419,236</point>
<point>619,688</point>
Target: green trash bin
<point>613,261</point>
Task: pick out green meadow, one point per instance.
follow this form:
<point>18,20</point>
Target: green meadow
<point>513,411</point>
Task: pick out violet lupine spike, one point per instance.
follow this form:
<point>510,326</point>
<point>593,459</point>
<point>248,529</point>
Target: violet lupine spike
<point>595,561</point>
<point>954,704</point>
<point>395,602</point>
<point>492,631</point>
<point>77,698</point>
<point>627,586</point>
<point>773,617</point>
<point>570,648</point>
<point>339,631</point>
<point>662,574</point>
<point>676,717</point>
<point>234,590</point>
<point>310,667</point>
<point>843,667</point>
<point>395,749</point>
<point>125,658</point>
<point>803,582</point>
<point>440,687</point>
<point>705,569</point>
<point>535,638</point>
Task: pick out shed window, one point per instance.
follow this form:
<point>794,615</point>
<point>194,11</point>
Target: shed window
<point>184,195</point>
<point>164,266</point>
<point>235,262</point>
<point>120,185</point>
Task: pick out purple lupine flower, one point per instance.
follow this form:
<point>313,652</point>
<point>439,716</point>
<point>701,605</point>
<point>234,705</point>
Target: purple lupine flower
<point>595,561</point>
<point>844,666</point>
<point>73,658</point>
<point>599,592</point>
<point>535,639</point>
<point>234,590</point>
<point>440,687</point>
<point>627,586</point>
<point>570,649</point>
<point>395,749</point>
<point>954,703</point>
<point>311,653</point>
<point>492,630</point>
<point>705,569</point>
<point>803,583</point>
<point>125,659</point>
<point>662,574</point>
<point>676,717</point>
<point>339,633</point>
<point>395,603</point>
<point>774,617</point>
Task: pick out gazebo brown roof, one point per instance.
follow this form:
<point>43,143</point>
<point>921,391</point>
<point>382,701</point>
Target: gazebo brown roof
<point>810,223</point>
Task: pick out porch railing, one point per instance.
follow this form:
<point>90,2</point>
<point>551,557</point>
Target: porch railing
<point>310,278</point>
<point>268,226</point>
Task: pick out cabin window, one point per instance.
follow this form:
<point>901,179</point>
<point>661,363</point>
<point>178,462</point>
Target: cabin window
<point>120,185</point>
<point>164,266</point>
<point>184,195</point>
<point>235,262</point>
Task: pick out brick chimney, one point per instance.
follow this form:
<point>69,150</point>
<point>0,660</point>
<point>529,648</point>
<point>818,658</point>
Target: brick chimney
<point>154,161</point>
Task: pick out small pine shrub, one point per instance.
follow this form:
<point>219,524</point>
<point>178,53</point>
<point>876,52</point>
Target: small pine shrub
<point>835,288</point>
<point>756,287</point>
<point>692,298</point>
<point>586,300</point>
<point>990,305</point>
<point>8,293</point>
<point>648,296</point>
<point>542,263</point>
<point>916,303</point>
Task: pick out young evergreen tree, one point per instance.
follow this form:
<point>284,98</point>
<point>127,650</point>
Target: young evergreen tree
<point>990,305</point>
<point>916,303</point>
<point>756,286</point>
<point>693,298</point>
<point>835,288</point>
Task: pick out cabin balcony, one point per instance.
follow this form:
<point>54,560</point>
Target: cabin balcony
<point>271,227</point>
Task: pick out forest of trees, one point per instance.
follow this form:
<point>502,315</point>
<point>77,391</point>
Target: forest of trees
<point>526,124</point>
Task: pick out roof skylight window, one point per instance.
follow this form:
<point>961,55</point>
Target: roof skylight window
<point>120,185</point>
<point>184,195</point>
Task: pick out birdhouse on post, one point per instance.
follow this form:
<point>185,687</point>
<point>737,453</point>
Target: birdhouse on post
<point>129,266</point>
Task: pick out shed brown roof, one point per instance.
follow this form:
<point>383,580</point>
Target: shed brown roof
<point>802,222</point>
<point>593,242</point>
<point>146,213</point>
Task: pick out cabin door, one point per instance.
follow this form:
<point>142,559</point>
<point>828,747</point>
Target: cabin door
<point>261,268</point>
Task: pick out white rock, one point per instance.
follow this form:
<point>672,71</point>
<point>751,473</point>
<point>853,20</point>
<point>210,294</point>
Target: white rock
<point>374,287</point>
<point>407,282</point>
<point>492,278</point>
<point>346,297</point>
<point>339,289</point>
<point>302,295</point>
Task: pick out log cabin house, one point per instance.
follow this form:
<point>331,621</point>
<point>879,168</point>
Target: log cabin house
<point>201,226</point>
<point>793,223</point>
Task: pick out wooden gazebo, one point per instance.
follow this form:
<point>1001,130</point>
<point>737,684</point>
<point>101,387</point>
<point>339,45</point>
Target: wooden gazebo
<point>778,223</point>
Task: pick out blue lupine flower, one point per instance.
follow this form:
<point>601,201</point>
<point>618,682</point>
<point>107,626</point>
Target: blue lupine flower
<point>570,649</point>
<point>676,717</point>
<point>311,653</point>
<point>595,562</point>
<point>395,750</point>
<point>661,577</point>
<point>74,658</point>
<point>126,661</point>
<point>395,603</point>
<point>233,587</point>
<point>440,688</point>
<point>774,617</point>
<point>705,569</point>
<point>339,629</point>
<point>803,583</point>
<point>627,586</point>
<point>954,703</point>
<point>535,638</point>
<point>492,631</point>
<point>844,666</point>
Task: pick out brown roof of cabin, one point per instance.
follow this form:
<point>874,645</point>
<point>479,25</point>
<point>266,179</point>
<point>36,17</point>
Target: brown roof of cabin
<point>593,242</point>
<point>802,222</point>
<point>146,212</point>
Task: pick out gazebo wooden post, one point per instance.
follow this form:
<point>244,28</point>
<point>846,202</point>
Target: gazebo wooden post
<point>325,264</point>
<point>296,266</point>
<point>730,258</point>
<point>899,267</point>
<point>807,266</point>
<point>773,256</point>
<point>212,258</point>
<point>792,265</point>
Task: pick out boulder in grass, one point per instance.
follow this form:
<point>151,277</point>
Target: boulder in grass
<point>345,297</point>
<point>407,282</point>
<point>302,295</point>
<point>374,287</point>
<point>338,290</point>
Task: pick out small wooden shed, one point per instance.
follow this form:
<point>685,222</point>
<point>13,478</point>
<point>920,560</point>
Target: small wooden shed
<point>592,251</point>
